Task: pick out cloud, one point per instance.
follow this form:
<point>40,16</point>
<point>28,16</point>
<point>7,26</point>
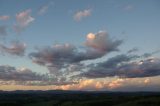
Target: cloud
<point>16,48</point>
<point>132,50</point>
<point>57,53</point>
<point>88,84</point>
<point>114,84</point>
<point>3,31</point>
<point>60,59</point>
<point>8,73</point>
<point>128,7</point>
<point>79,15</point>
<point>56,58</point>
<point>147,80</point>
<point>43,9</point>
<point>4,17</point>
<point>101,42</point>
<point>24,19</point>
<point>24,76</point>
<point>145,55</point>
<point>124,66</point>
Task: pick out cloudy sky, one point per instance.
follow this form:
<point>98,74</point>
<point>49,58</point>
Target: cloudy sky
<point>80,45</point>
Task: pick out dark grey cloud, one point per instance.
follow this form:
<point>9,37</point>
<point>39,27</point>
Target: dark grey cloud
<point>16,48</point>
<point>59,57</point>
<point>24,76</point>
<point>56,55</point>
<point>133,50</point>
<point>8,73</point>
<point>127,66</point>
<point>45,83</point>
<point>3,31</point>
<point>145,55</point>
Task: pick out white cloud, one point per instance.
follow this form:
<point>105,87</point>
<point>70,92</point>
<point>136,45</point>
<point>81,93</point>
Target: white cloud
<point>101,42</point>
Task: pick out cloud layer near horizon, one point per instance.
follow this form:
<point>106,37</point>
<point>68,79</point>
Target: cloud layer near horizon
<point>66,62</point>
<point>124,66</point>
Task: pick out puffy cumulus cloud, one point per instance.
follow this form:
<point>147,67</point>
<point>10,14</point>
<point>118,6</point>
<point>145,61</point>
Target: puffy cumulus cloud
<point>17,48</point>
<point>116,83</point>
<point>79,15</point>
<point>134,84</point>
<point>147,80</point>
<point>125,66</point>
<point>58,53</point>
<point>64,59</point>
<point>60,59</point>
<point>101,42</point>
<point>88,84</point>
<point>92,84</point>
<point>3,31</point>
<point>4,17</point>
<point>138,84</point>
<point>97,45</point>
<point>23,18</point>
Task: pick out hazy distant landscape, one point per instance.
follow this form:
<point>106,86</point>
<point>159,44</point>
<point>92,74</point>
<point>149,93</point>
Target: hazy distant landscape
<point>78,98</point>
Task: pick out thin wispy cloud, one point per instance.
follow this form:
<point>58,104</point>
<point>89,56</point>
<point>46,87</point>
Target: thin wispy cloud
<point>79,15</point>
<point>133,50</point>
<point>4,17</point>
<point>23,19</point>
<point>43,9</point>
<point>128,7</point>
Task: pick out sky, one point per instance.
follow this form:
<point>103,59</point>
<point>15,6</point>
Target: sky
<point>98,45</point>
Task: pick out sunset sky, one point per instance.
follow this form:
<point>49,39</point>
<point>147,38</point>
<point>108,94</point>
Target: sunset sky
<point>109,45</point>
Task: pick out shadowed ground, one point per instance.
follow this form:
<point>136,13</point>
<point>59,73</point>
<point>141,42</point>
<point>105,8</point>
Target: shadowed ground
<point>78,98</point>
